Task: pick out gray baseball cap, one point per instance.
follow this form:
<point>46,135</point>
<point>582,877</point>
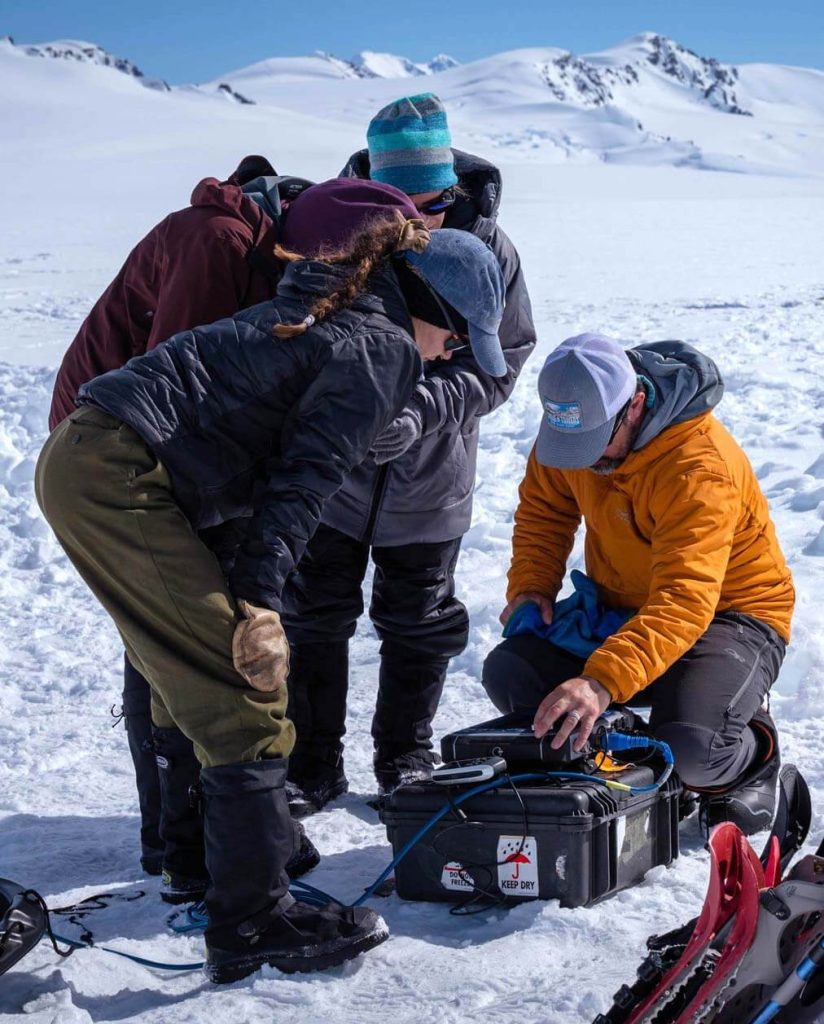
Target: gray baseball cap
<point>584,384</point>
<point>465,272</point>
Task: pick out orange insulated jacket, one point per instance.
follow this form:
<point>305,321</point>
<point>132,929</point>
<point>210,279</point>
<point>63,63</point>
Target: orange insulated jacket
<point>679,532</point>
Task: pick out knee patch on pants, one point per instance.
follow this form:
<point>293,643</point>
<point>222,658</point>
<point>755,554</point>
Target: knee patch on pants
<point>706,759</point>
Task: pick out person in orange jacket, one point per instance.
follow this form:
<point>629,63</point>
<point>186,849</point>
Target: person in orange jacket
<point>679,538</point>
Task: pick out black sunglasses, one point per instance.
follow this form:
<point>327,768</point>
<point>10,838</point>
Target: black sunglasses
<point>458,340</point>
<point>440,203</point>
<point>619,419</point>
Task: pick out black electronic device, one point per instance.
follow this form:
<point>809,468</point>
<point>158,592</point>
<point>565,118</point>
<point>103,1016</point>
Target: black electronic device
<point>512,738</point>
<point>469,773</point>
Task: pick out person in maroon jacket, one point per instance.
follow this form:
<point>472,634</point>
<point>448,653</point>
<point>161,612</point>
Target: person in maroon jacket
<point>194,267</point>
<point>198,265</point>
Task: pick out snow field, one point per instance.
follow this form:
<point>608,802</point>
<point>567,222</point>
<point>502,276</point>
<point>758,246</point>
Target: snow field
<point>729,262</point>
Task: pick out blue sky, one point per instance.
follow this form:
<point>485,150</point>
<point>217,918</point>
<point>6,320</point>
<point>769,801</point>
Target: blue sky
<point>196,40</point>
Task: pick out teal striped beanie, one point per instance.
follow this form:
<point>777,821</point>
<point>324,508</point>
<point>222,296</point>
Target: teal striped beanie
<point>410,145</point>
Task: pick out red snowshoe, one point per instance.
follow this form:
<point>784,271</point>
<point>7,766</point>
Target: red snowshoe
<point>747,953</point>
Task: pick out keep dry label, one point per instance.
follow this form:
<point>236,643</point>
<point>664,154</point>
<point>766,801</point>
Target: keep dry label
<point>518,865</point>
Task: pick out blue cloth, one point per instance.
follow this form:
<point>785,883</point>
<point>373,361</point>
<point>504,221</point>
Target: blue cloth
<point>580,623</point>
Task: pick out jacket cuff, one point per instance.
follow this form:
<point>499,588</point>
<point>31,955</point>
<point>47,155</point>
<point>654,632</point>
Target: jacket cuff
<point>244,591</point>
<point>546,587</point>
<point>422,398</point>
<point>620,687</point>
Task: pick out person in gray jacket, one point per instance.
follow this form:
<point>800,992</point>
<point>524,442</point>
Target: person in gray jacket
<point>408,504</point>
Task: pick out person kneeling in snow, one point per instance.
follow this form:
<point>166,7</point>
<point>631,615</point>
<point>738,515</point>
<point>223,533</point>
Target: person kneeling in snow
<point>679,537</point>
<point>259,416</point>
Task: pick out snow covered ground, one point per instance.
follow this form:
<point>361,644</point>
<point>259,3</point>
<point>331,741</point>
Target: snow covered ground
<point>729,262</point>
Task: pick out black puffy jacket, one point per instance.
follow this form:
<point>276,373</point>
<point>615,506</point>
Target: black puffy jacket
<point>248,425</point>
<point>425,496</point>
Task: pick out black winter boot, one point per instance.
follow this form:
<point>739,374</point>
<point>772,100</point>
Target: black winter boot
<point>315,779</point>
<point>252,918</point>
<point>305,855</point>
<point>750,801</point>
<point>185,878</point>
<point>402,769</point>
<point>318,686</point>
<point>181,824</point>
<point>138,721</point>
<point>410,690</point>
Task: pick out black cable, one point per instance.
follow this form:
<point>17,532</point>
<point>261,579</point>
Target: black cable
<point>32,894</point>
<point>482,889</point>
<point>75,912</point>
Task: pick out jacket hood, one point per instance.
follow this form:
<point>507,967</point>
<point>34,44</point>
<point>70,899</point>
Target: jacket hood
<point>231,200</point>
<point>309,279</point>
<point>686,383</point>
<point>480,179</point>
<point>265,192</point>
<point>304,281</point>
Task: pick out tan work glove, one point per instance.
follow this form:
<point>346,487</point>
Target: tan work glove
<point>260,651</point>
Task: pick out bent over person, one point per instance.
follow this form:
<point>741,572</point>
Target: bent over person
<point>679,538</point>
<point>199,264</point>
<point>409,503</point>
<point>260,416</point>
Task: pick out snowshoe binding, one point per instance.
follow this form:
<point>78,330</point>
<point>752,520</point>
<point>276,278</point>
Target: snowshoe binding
<point>23,922</point>
<point>753,931</point>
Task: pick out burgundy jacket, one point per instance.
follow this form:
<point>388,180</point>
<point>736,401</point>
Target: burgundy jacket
<point>193,268</point>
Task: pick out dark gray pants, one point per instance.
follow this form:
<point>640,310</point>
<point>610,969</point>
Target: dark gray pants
<point>700,706</point>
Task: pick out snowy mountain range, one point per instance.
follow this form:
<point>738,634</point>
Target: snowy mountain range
<point>365,64</point>
<point>648,99</point>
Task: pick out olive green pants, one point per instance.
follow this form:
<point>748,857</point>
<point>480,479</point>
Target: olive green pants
<point>110,503</point>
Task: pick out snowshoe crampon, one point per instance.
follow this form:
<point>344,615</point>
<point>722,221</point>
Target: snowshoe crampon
<point>22,922</point>
<point>753,954</point>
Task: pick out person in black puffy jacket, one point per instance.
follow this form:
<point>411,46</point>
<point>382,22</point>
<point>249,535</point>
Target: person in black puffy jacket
<point>258,416</point>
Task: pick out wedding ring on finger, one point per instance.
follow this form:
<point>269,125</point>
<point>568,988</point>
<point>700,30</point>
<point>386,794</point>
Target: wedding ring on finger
<point>574,715</point>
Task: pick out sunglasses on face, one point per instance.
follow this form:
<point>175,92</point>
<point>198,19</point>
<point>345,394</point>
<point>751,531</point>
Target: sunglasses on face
<point>440,203</point>
<point>619,419</point>
<point>458,340</point>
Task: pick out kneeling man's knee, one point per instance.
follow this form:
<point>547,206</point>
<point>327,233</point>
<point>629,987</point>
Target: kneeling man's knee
<point>510,681</point>
<point>692,747</point>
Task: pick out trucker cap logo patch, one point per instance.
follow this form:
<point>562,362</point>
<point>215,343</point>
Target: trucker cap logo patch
<point>563,415</point>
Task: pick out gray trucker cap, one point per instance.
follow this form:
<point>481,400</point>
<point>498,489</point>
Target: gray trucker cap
<point>584,384</point>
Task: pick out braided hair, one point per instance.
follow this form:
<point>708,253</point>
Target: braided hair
<point>366,252</point>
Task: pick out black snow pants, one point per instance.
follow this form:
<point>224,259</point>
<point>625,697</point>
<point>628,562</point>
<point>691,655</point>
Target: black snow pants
<point>700,706</point>
<point>419,620</point>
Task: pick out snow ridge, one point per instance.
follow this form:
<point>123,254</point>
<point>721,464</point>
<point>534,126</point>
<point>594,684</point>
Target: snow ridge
<point>369,64</point>
<point>572,79</point>
<point>715,80</point>
<point>590,82</point>
<point>89,53</point>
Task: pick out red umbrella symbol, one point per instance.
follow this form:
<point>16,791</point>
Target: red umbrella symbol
<point>517,859</point>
